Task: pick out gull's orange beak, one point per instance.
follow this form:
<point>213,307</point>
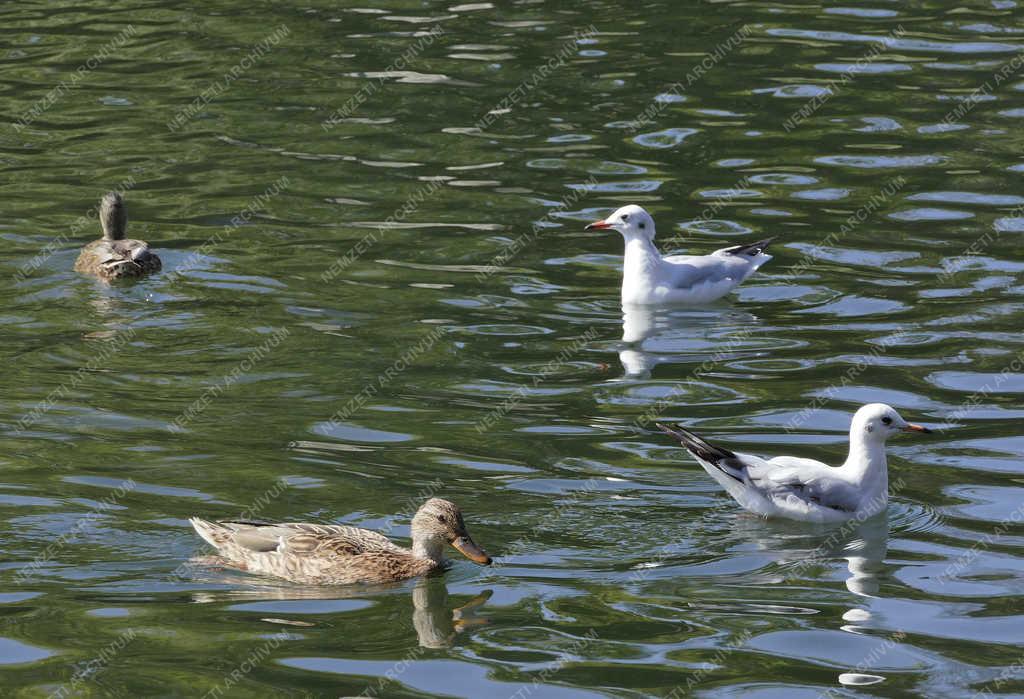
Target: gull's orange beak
<point>911,427</point>
<point>597,225</point>
<point>468,548</point>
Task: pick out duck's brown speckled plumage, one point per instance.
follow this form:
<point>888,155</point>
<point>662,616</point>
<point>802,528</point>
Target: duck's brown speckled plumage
<point>319,554</point>
<point>113,256</point>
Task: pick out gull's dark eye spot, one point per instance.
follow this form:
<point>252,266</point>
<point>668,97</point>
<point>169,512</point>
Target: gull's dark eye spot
<point>643,225</point>
<point>441,519</point>
<point>625,217</point>
<point>887,420</point>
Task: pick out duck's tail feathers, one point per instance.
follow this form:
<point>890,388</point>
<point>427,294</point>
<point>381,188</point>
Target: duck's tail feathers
<point>211,532</point>
<point>751,249</point>
<point>721,458</point>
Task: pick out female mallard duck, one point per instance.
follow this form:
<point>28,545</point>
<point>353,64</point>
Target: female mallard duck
<point>113,256</point>
<point>320,554</point>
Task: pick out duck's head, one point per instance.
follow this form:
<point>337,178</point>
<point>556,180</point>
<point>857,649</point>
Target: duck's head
<point>878,421</point>
<point>439,522</point>
<point>631,221</point>
<point>113,216</point>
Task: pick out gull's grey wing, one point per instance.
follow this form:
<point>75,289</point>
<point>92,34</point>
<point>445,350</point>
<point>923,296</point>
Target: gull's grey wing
<point>805,479</point>
<point>690,270</point>
<point>748,249</point>
<point>720,458</point>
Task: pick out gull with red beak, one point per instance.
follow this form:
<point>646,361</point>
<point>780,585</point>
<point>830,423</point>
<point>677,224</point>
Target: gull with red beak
<point>650,279</point>
<point>804,489</point>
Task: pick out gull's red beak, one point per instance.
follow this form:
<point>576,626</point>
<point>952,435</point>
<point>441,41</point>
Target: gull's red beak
<point>911,427</point>
<point>597,225</point>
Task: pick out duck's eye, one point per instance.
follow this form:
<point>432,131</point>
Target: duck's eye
<point>886,420</point>
<point>441,519</point>
<point>625,217</point>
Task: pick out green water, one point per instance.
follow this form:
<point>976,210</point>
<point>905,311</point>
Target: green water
<point>377,288</point>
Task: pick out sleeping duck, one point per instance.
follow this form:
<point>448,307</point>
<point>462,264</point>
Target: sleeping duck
<point>113,256</point>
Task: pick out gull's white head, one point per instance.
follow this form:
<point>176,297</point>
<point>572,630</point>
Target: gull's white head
<point>877,421</point>
<point>631,221</point>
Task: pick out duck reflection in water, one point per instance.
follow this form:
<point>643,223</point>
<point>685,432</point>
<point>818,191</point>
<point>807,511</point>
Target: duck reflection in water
<point>436,622</point>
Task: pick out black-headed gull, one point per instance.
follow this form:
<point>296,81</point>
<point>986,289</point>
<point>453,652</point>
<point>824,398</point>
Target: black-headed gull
<point>648,278</point>
<point>805,489</point>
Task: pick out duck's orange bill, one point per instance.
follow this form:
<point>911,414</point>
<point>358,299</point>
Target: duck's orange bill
<point>468,548</point>
<point>911,427</point>
<point>597,225</point>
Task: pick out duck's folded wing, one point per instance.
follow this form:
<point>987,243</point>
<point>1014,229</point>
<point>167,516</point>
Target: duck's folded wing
<point>132,249</point>
<point>303,538</point>
<point>104,251</point>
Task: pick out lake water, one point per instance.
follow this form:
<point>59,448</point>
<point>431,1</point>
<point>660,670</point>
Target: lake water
<point>377,288</point>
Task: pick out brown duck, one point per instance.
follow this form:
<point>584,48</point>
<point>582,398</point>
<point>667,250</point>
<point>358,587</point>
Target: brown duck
<point>321,554</point>
<point>113,256</point>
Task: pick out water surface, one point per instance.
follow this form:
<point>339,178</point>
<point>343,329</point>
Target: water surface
<point>377,288</point>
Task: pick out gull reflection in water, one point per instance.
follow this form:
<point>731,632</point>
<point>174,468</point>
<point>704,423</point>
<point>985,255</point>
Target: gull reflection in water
<point>807,553</point>
<point>657,335</point>
<point>801,549</point>
<point>436,622</point>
